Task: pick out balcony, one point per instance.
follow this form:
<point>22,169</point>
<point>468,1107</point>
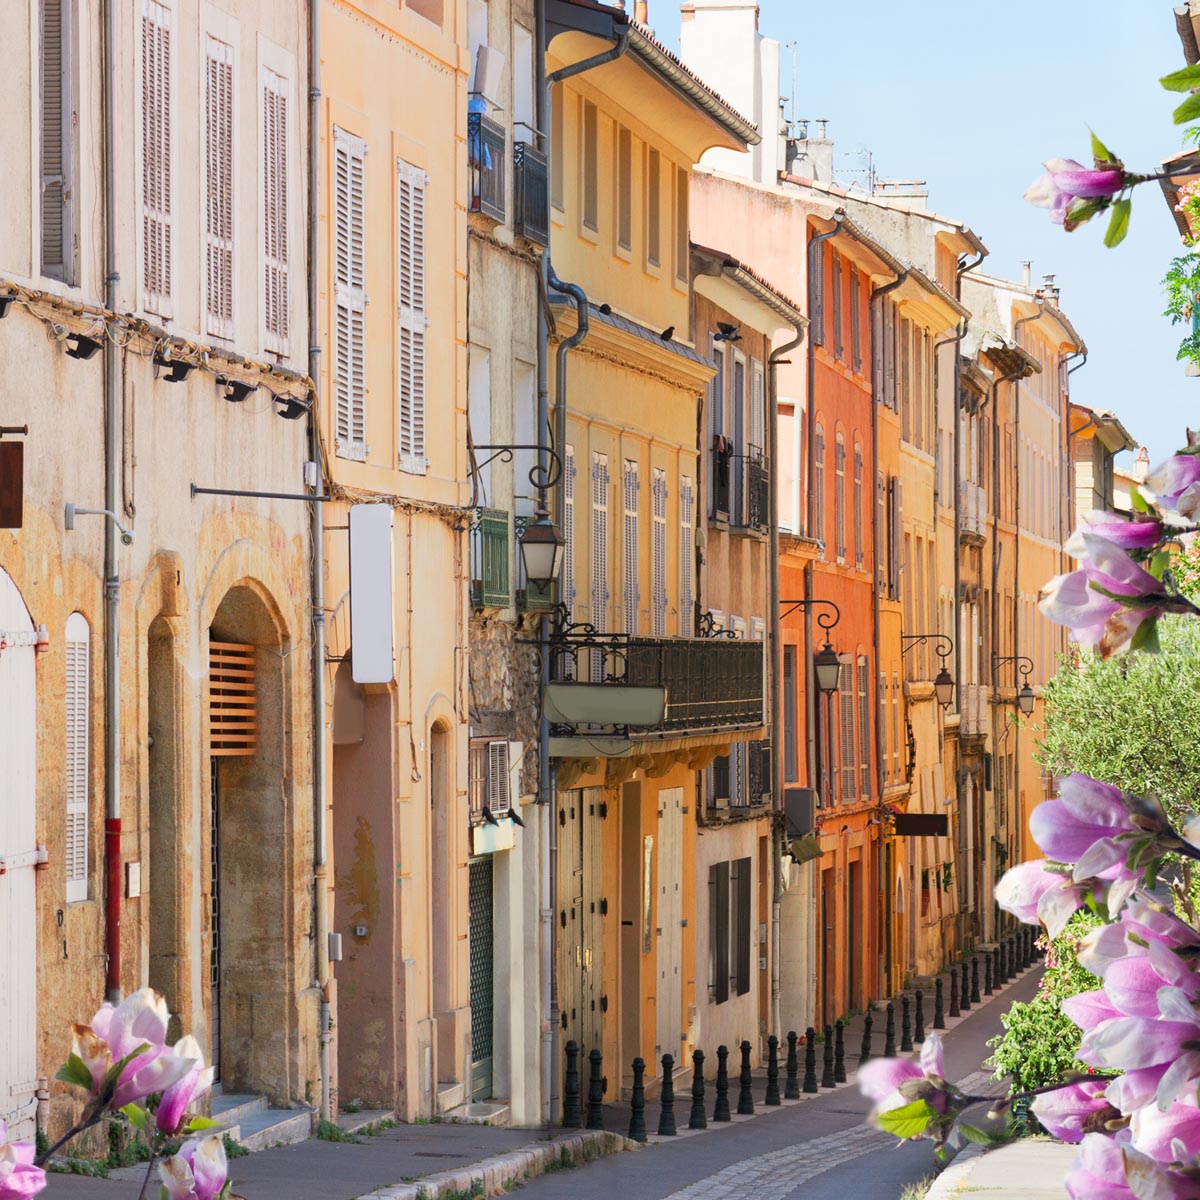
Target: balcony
<point>721,471</point>
<point>741,486</point>
<point>489,559</point>
<point>530,597</point>
<point>531,194</point>
<point>485,154</point>
<point>758,491</point>
<point>973,710</point>
<point>972,511</point>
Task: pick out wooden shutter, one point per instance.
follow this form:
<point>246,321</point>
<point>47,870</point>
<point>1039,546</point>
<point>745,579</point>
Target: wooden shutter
<point>682,239</point>
<point>757,410</point>
<point>632,595</point>
<point>498,796</point>
<point>658,565</point>
<point>156,158</point>
<point>653,206</point>
<point>410,231</point>
<point>855,320</point>
<point>57,242</point>
<point>819,485</point>
<point>881,719</point>
<point>790,772</point>
<point>232,700</point>
<point>78,715</point>
<point>350,294</point>
<point>740,887</point>
<point>718,931</point>
<point>839,496</point>
<point>218,187</point>
<point>895,534</point>
<point>859,552</point>
<point>882,538</point>
<point>591,165</point>
<point>848,758</point>
<point>836,295</point>
<point>864,725</point>
<point>276,294</point>
<point>687,556</point>
<point>600,542</point>
<point>568,565</point>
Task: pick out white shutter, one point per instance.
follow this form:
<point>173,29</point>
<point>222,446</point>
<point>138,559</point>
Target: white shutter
<point>632,595</point>
<point>57,125</point>
<point>156,157</point>
<point>350,294</point>
<point>410,240</point>
<point>78,695</point>
<point>600,542</point>
<point>276,293</point>
<point>498,795</point>
<point>658,565</point>
<point>218,187</point>
<point>757,410</point>
<point>568,566</point>
<point>687,558</point>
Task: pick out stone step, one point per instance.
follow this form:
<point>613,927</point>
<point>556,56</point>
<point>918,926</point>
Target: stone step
<point>353,1122</point>
<point>275,1127</point>
<point>487,1112</point>
<point>449,1095</point>
<point>231,1108</point>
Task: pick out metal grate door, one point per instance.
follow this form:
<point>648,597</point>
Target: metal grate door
<point>480,907</point>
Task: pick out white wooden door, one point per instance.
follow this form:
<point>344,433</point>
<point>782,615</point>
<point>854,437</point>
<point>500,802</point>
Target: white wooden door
<point>670,922</point>
<point>18,853</point>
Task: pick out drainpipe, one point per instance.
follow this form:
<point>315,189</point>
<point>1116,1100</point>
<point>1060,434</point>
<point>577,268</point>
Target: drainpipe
<point>588,64</point>
<point>317,535</point>
<point>112,571</point>
<point>776,659</point>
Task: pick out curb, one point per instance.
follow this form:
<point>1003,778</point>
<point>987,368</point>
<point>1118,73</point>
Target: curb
<point>953,1179</point>
<point>497,1175</point>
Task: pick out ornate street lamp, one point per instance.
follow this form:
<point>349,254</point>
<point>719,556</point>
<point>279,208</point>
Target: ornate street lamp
<point>1025,697</point>
<point>943,647</point>
<point>541,551</point>
<point>827,667</point>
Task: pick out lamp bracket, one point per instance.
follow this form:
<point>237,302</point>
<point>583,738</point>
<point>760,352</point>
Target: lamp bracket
<point>939,640</point>
<point>203,491</point>
<point>1023,664</point>
<point>825,620</point>
<point>541,478</point>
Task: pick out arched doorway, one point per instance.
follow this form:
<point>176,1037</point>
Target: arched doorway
<point>249,867</point>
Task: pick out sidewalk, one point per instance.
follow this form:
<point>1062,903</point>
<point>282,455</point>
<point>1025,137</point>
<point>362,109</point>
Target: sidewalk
<point>1031,1169</point>
<point>443,1160</point>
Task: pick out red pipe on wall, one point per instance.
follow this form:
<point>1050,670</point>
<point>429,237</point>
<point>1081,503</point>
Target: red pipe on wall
<point>112,907</point>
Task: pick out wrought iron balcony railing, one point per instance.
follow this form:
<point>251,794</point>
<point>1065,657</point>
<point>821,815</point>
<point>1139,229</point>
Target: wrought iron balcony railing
<point>486,155</point>
<point>489,558</point>
<point>758,491</point>
<point>531,194</point>
<point>722,467</point>
<point>741,486</point>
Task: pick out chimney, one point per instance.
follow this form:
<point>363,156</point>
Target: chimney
<point>1027,271</point>
<point>641,12</point>
<point>811,157</point>
<point>1141,464</point>
<point>1050,290</point>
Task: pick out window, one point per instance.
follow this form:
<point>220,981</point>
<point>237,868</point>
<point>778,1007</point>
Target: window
<point>658,565</point>
<point>632,597</point>
<point>819,486</point>
<point>653,206</point>
<point>78,720</point>
<point>864,725</point>
<point>839,495</point>
<point>568,564</point>
<point>737,447</point>
<point>894,537</point>
<point>156,157</point>
<point>490,777</point>
<point>718,932</point>
<point>557,116</point>
<point>600,542</point>
<point>855,321</point>
<point>906,413</point>
<point>839,348</point>
<point>687,550</point>
<point>522,70</point>
<point>896,694</point>
<point>624,188</point>
<point>790,771</point>
<point>739,889</point>
<point>858,505</point>
<point>881,719</point>
<point>218,188</point>
<point>848,757</point>
<point>682,250</point>
<point>729,928</point>
<point>590,156</point>
<point>350,294</point>
<point>410,294</point>
<point>276,295</point>
<point>58,134</point>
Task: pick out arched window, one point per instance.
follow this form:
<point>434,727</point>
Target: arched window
<point>819,486</point>
<point>839,496</point>
<point>78,696</point>
<point>858,505</point>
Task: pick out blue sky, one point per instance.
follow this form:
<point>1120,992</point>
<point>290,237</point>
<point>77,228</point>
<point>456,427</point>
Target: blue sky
<point>972,99</point>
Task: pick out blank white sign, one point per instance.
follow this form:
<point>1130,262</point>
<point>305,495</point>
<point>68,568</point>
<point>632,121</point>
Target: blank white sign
<point>372,575</point>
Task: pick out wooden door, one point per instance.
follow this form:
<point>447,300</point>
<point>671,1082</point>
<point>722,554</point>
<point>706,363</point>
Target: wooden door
<point>670,922</point>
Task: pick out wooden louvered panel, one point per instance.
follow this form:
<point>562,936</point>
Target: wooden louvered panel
<point>218,105</point>
<point>55,134</point>
<point>349,187</point>
<point>632,548</point>
<point>156,157</point>
<point>568,564</point>
<point>232,700</point>
<point>687,555</point>
<point>275,211</point>
<point>78,693</point>
<point>411,316</point>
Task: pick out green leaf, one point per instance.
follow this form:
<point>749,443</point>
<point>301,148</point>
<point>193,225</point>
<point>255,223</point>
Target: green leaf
<point>1183,80</point>
<point>1159,564</point>
<point>198,1123</point>
<point>1146,638</point>
<point>138,1117</point>
<point>1138,502</point>
<point>974,1135</point>
<point>908,1122</point>
<point>1079,212</point>
<point>1101,153</point>
<point>1189,110</point>
<point>1118,225</point>
<point>74,1072</point>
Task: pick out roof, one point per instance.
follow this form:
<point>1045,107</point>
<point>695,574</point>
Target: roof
<point>770,295</point>
<point>1013,361</point>
<point>634,328</point>
<point>1102,420</point>
<point>590,17</point>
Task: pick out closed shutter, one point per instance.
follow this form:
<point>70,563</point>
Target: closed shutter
<point>57,194</point>
<point>658,565</point>
<point>156,158</point>
<point>838,346</point>
<point>740,888</point>
<point>687,556</point>
<point>600,542</point>
<point>790,766</point>
<point>682,237</point>
<point>78,694</point>
<point>848,758</point>
<point>498,795</point>
<point>757,412</point>
<point>568,567</point>
<point>882,539</point>
<point>410,236</point>
<point>718,931</point>
<point>864,726</point>
<point>881,717</point>
<point>631,595</point>
<point>232,700</point>
<point>218,187</point>
<point>855,321</point>
<point>895,538</point>
<point>350,294</point>
<point>819,484</point>
<point>859,551</point>
<point>839,496</point>
<point>276,294</point>
<point>895,726</point>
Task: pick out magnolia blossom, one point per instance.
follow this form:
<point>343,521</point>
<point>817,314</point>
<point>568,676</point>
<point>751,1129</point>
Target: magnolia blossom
<point>18,1176</point>
<point>1107,599</point>
<point>197,1172</point>
<point>1035,894</point>
<point>137,1027</point>
<point>895,1082</point>
<point>1170,1136</point>
<point>1085,812</point>
<point>1106,1169</point>
<point>177,1098</point>
<point>1067,1113</point>
<point>1066,181</point>
<point>1139,532</point>
<point>1175,485</point>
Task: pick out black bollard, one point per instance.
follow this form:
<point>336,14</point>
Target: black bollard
<point>572,1114</point>
<point>1002,968</point>
<point>721,1108</point>
<point>864,1053</point>
<point>889,1032</point>
<point>1014,967</point>
<point>791,1088</point>
<point>906,1042</point>
<point>810,1060</point>
<point>839,1052</point>
<point>828,1079</point>
<point>637,1102</point>
<point>939,1017</point>
<point>919,1031</point>
<point>955,1011</point>
<point>697,1119</point>
<point>772,1096</point>
<point>987,972</point>
<point>964,995</point>
<point>1028,939</point>
<point>666,1120</point>
<point>745,1104</point>
<point>595,1117</point>
<point>975,979</point>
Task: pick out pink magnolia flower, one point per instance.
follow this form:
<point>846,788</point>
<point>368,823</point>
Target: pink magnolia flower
<point>1133,983</point>
<point>1088,1009</point>
<point>197,1172</point>
<point>1140,532</point>
<point>1085,812</point>
<point>1066,181</point>
<point>18,1176</point>
<point>178,1097</point>
<point>1107,599</point>
<point>1106,1169</point>
<point>1170,1136</point>
<point>1067,1113</point>
<point>1175,485</point>
<point>1034,894</point>
<point>895,1082</point>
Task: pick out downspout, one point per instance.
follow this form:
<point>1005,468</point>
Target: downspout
<point>774,675</point>
<point>112,575</point>
<point>586,64</point>
<point>317,535</point>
